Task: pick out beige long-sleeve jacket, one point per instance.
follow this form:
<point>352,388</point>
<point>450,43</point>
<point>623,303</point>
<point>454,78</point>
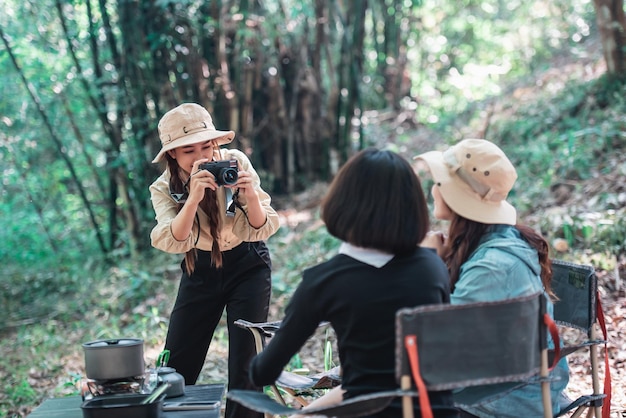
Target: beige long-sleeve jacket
<point>234,230</point>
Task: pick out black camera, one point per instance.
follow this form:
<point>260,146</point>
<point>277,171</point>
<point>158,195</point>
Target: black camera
<point>225,171</point>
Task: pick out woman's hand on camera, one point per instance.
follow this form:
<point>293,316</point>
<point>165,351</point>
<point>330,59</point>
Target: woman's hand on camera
<point>249,197</point>
<point>245,184</point>
<point>199,181</point>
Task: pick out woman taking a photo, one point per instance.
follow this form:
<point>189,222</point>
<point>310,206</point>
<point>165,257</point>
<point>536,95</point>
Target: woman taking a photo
<point>209,206</point>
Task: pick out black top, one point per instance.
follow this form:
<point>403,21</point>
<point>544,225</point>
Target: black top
<point>360,301</point>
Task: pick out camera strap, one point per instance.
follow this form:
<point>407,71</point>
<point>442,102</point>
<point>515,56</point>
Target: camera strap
<point>180,197</point>
<point>230,202</point>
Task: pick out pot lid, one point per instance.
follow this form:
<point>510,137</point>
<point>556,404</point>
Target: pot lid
<point>121,342</point>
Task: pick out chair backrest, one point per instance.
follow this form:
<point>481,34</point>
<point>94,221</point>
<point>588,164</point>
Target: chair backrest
<point>578,306</point>
<point>576,287</point>
<point>473,344</point>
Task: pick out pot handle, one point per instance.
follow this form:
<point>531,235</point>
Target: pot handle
<point>163,358</point>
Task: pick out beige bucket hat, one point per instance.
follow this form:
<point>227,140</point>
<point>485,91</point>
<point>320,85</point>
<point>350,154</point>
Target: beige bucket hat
<point>187,124</point>
<point>475,178</point>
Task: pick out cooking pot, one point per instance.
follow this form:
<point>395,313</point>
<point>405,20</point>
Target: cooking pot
<point>114,358</point>
<point>176,381</point>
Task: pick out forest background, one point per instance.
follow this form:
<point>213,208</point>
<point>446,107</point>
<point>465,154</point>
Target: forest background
<point>304,84</point>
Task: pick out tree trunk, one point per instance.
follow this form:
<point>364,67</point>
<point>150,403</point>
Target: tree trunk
<point>81,140</point>
<point>612,27</point>
<point>350,76</point>
<point>322,116</point>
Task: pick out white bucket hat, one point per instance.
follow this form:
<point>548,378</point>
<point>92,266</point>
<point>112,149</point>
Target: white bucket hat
<point>475,178</point>
<point>187,124</point>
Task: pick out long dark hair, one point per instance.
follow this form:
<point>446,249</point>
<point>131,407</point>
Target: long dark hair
<point>464,236</point>
<point>209,205</point>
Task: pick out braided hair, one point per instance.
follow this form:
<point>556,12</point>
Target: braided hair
<point>209,205</point>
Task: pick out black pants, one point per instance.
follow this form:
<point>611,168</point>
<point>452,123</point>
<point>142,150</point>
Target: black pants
<point>243,287</point>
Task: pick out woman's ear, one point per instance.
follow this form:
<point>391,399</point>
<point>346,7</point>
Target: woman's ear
<point>171,153</point>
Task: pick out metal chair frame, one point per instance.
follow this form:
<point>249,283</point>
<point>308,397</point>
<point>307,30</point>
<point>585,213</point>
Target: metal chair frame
<point>292,383</point>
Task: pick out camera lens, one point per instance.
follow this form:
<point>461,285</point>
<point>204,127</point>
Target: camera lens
<point>229,176</point>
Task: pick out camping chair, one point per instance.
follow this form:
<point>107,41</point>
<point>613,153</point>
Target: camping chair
<point>441,347</point>
<point>292,383</point>
<point>487,348</point>
<point>578,307</point>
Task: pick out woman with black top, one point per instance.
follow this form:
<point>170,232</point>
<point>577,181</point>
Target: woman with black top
<point>376,206</point>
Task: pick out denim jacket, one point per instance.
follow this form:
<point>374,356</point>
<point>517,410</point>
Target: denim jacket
<point>505,266</point>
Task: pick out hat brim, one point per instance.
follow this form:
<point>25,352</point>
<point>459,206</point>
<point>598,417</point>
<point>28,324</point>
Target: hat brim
<point>222,138</point>
<point>460,197</point>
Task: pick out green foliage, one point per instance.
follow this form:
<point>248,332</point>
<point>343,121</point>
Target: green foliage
<point>568,142</point>
<point>298,250</point>
<point>71,292</point>
<point>51,314</point>
<point>591,232</point>
<point>18,393</point>
<point>466,52</point>
<point>295,364</point>
<point>458,53</point>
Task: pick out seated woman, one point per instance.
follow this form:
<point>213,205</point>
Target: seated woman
<point>489,255</point>
<point>376,206</point>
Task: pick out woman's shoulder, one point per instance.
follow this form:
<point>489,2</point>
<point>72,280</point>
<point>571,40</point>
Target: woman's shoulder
<point>503,242</point>
<point>426,257</point>
<point>161,182</point>
<point>334,263</point>
<point>502,255</point>
<point>427,260</point>
<point>240,156</point>
<point>502,258</point>
<point>499,231</point>
<point>426,253</point>
<point>320,277</point>
<point>228,153</point>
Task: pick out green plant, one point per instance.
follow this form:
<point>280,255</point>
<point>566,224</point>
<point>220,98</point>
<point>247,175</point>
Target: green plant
<point>292,252</point>
<point>589,232</point>
<point>329,362</point>
<point>18,393</point>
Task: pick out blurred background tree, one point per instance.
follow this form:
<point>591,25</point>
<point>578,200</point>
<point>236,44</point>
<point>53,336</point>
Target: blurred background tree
<point>612,28</point>
<point>84,84</point>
